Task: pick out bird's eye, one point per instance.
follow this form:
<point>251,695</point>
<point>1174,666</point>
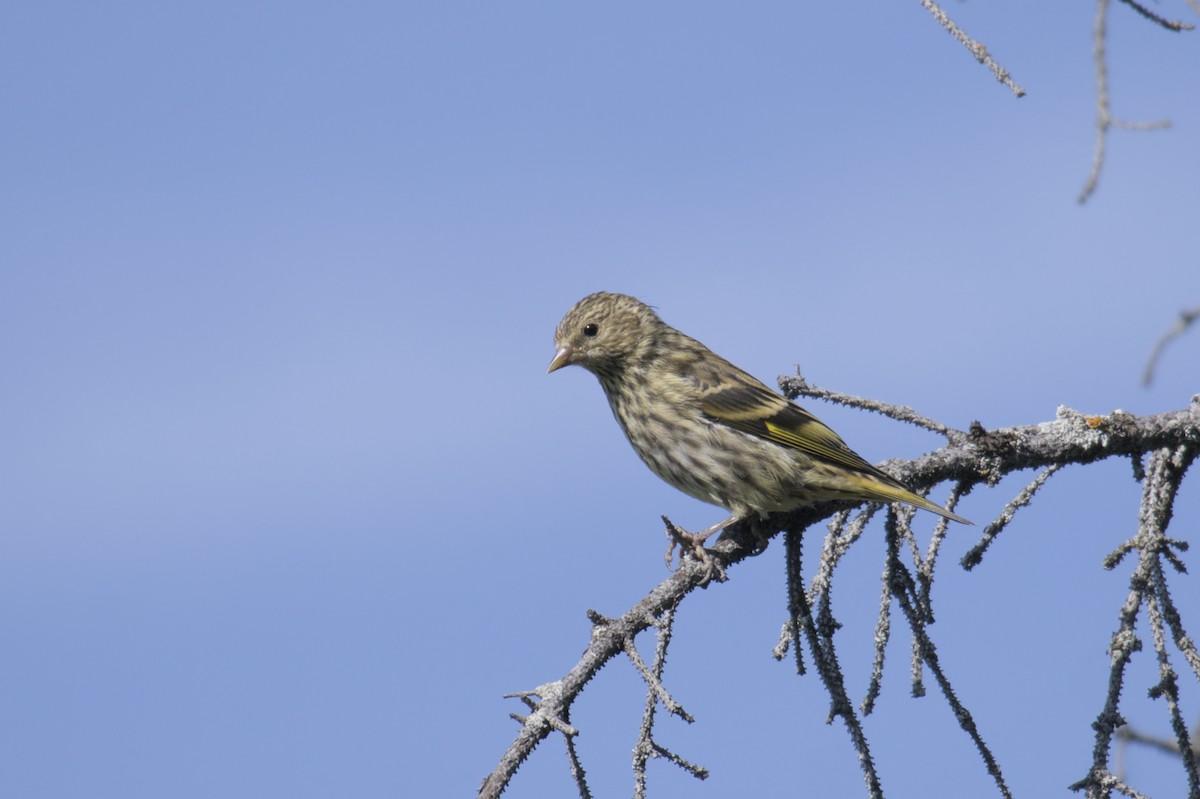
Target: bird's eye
<point>591,329</point>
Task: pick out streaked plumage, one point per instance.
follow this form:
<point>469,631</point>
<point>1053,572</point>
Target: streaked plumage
<point>707,427</point>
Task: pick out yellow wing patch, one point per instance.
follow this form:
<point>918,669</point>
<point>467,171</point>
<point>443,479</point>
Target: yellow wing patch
<point>754,409</point>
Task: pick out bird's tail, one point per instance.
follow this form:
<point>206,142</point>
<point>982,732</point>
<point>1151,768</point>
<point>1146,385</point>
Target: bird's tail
<point>894,491</point>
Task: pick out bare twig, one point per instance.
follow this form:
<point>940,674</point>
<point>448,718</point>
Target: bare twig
<point>656,691</point>
<point>793,387</point>
<point>1164,472</point>
<point>1185,320</point>
<point>925,570</point>
<point>577,772</point>
<point>1104,118</point>
<point>903,589</point>
<point>883,634</point>
<point>1169,24</point>
<point>647,748</point>
<point>797,599</point>
<point>975,554</point>
<point>819,633</point>
<point>975,48</point>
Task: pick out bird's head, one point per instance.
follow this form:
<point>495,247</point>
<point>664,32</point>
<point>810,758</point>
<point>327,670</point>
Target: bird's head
<point>603,333</point>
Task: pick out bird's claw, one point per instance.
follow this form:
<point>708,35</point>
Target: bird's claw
<point>691,544</point>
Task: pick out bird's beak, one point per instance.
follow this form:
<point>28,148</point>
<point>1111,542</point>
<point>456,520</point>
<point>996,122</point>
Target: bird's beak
<point>561,358</point>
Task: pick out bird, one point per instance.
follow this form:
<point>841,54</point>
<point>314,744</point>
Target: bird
<point>707,427</point>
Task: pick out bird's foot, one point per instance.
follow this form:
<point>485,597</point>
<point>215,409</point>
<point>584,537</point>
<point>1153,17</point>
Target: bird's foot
<point>692,544</point>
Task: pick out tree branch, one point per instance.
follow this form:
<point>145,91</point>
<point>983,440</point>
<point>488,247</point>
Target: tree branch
<point>1147,589</point>
<point>973,47</point>
<point>975,457</point>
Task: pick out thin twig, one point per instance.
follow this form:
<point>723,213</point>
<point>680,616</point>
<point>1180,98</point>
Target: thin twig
<point>797,386</point>
<point>793,552</point>
<point>903,588</point>
<point>819,633</point>
<point>975,48</point>
<point>1185,320</point>
<point>646,747</point>
<point>1169,24</point>
<point>820,639</point>
<point>577,772</point>
<point>883,629</point>
<point>1104,118</point>
<point>1147,588</point>
<point>975,554</point>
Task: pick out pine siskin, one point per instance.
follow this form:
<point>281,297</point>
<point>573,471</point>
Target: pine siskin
<point>708,428</point>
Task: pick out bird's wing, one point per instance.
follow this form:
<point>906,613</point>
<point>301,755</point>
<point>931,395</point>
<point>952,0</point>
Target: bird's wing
<point>752,408</point>
<point>757,410</point>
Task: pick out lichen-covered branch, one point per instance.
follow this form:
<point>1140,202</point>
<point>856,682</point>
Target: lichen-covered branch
<point>977,457</point>
<point>1147,591</point>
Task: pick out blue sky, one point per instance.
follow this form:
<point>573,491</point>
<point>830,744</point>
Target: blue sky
<point>290,502</point>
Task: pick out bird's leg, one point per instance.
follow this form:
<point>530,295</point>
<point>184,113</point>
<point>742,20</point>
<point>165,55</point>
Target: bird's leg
<point>695,543</point>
